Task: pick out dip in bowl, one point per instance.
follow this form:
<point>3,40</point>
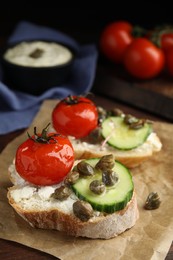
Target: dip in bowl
<point>34,66</point>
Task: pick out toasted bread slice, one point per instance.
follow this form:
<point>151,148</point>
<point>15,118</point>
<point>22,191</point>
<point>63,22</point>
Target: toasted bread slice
<point>41,211</point>
<point>37,206</point>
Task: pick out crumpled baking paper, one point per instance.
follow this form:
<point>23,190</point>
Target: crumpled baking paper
<point>150,238</point>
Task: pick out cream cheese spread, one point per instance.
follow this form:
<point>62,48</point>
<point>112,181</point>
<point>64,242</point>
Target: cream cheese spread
<point>152,143</point>
<point>38,54</point>
<point>40,197</point>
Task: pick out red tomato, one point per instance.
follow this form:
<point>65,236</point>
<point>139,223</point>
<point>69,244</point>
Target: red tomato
<point>169,61</point>
<point>76,116</point>
<point>162,36</point>
<point>114,40</point>
<point>167,41</point>
<point>143,59</point>
<point>44,159</point>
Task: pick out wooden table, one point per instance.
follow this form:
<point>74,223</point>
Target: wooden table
<point>12,250</point>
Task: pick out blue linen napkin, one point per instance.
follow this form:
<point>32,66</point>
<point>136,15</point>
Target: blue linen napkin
<point>17,109</point>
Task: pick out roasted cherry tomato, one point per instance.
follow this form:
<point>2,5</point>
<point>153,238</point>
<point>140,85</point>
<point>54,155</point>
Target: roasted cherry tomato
<point>44,159</point>
<point>114,40</point>
<point>76,116</point>
<point>143,59</point>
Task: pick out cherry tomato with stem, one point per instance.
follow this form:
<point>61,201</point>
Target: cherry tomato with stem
<point>162,36</point>
<point>75,116</point>
<point>44,159</point>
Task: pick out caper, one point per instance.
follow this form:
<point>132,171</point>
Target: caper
<point>37,53</point>
<point>97,186</point>
<point>116,112</point>
<point>61,193</point>
<point>109,177</point>
<point>71,178</point>
<point>95,136</point>
<point>105,162</point>
<point>129,119</point>
<point>82,210</point>
<point>85,168</point>
<point>153,201</point>
<point>137,125</point>
<point>102,113</point>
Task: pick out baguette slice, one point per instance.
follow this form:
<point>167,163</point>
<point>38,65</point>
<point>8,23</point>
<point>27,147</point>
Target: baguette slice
<point>130,158</point>
<point>37,206</point>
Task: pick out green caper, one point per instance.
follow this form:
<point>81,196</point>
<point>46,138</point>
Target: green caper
<point>97,186</point>
<point>116,112</point>
<point>85,169</point>
<point>109,177</point>
<point>129,119</point>
<point>82,210</point>
<point>71,178</point>
<point>37,53</point>
<point>102,113</point>
<point>105,162</point>
<point>61,193</point>
<point>137,125</point>
<point>153,201</point>
<point>95,136</point>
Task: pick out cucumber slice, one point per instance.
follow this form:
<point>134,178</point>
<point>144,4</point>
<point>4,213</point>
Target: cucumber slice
<point>120,136</point>
<point>114,198</point>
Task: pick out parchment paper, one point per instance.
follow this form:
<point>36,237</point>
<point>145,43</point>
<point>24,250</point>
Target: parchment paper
<point>150,238</point>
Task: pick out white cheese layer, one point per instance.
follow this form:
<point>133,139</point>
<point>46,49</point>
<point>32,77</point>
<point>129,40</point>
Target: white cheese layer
<point>152,143</point>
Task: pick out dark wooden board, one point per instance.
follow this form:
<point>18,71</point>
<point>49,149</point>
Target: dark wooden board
<point>154,96</point>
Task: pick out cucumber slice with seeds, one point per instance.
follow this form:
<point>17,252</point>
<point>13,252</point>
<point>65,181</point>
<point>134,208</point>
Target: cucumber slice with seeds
<point>120,136</point>
<point>115,197</point>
